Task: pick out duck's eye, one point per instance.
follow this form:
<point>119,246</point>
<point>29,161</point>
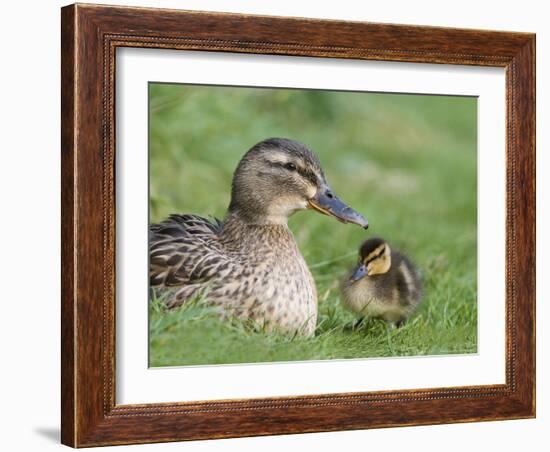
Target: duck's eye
<point>290,166</point>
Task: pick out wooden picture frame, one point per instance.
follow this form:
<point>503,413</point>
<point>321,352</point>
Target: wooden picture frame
<point>90,36</point>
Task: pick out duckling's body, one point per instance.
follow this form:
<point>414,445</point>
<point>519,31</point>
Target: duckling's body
<point>249,265</point>
<point>385,285</point>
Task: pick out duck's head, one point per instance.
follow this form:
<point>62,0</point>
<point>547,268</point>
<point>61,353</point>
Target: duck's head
<point>278,177</point>
<point>374,259</point>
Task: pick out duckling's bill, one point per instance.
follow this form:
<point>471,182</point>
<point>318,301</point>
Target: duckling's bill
<point>329,204</point>
<point>359,273</point>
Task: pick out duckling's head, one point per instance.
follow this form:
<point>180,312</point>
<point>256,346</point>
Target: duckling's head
<point>278,177</point>
<point>374,259</point>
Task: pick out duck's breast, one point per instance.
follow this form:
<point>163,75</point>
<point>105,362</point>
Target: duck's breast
<point>287,297</point>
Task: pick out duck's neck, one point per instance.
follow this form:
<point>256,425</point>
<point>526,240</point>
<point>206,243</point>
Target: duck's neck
<point>244,217</point>
<point>245,233</point>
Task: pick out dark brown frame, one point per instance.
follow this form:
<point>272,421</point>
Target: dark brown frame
<point>90,36</point>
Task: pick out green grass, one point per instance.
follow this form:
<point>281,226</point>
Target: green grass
<point>407,162</point>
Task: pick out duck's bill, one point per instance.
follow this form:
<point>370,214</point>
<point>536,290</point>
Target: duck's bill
<point>329,204</point>
<point>359,273</point>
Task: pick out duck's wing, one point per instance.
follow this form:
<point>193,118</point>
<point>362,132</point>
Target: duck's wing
<point>407,279</point>
<point>184,249</point>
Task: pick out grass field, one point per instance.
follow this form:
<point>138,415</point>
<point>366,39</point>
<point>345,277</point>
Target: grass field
<point>407,162</point>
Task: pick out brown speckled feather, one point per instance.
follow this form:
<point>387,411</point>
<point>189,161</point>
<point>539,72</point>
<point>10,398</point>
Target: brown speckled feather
<point>182,249</point>
<point>249,271</point>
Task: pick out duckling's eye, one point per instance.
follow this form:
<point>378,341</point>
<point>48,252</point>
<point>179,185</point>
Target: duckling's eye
<point>290,166</point>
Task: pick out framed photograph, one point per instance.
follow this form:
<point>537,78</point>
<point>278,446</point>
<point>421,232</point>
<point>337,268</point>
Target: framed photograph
<point>283,225</point>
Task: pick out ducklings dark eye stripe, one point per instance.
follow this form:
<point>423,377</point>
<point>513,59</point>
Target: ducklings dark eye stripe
<point>377,256</point>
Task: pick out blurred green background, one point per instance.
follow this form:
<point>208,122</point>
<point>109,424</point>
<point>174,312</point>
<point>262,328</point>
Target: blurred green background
<point>407,162</point>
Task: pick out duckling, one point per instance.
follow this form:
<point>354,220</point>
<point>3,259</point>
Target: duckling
<point>249,264</point>
<point>385,284</point>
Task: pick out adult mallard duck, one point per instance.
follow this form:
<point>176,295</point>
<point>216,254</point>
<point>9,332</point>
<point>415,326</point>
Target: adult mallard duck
<point>385,284</point>
<point>249,265</point>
